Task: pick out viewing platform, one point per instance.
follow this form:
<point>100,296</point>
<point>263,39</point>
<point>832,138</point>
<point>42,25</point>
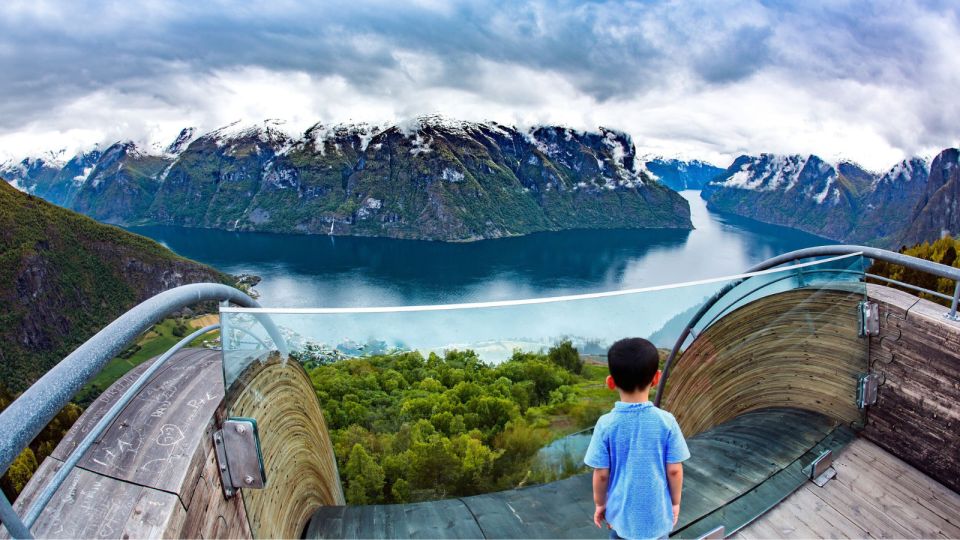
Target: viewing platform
<point>815,404</point>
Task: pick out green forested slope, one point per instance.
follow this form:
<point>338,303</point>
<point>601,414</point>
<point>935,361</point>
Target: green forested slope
<point>64,276</point>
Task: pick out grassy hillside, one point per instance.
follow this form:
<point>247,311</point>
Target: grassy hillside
<point>64,276</point>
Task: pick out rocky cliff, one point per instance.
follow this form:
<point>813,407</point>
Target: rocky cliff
<point>64,276</point>
<point>432,178</point>
<point>936,213</point>
<point>842,202</point>
<point>678,175</point>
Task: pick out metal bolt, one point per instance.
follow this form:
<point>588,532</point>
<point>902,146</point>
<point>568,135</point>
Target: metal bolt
<point>240,429</point>
<point>248,479</point>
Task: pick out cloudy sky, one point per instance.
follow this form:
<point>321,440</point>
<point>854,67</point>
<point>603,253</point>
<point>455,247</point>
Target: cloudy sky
<point>870,81</point>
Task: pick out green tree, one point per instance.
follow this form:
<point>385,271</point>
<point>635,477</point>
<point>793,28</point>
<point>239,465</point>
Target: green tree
<point>21,470</point>
<point>364,476</point>
<point>566,356</point>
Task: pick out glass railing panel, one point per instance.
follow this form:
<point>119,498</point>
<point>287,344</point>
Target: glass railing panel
<point>845,271</point>
<point>804,320</point>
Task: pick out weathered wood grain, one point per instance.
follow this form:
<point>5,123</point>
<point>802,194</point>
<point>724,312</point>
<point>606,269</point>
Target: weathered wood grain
<point>916,416</point>
<point>297,452</point>
<point>798,348</point>
<point>865,500</point>
<point>153,472</point>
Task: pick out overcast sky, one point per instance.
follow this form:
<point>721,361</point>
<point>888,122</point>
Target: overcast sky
<point>869,81</point>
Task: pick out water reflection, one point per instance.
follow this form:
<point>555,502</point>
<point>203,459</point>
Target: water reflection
<point>302,271</point>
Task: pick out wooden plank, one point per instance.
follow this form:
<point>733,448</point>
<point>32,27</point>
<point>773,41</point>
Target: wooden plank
<point>896,497</point>
<point>797,349</point>
<point>860,511</point>
<point>940,498</point>
<point>92,506</point>
<point>154,440</point>
<point>297,452</point>
<point>92,414</point>
<point>823,519</point>
<point>156,514</point>
<point>915,417</point>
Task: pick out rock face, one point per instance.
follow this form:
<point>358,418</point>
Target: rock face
<point>842,202</point>
<point>63,277</point>
<point>679,175</point>
<point>936,214</point>
<point>431,179</point>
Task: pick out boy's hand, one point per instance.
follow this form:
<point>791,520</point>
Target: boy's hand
<point>599,515</point>
<point>676,514</point>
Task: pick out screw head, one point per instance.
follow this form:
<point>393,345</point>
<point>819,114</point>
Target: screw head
<point>241,429</point>
<point>248,479</point>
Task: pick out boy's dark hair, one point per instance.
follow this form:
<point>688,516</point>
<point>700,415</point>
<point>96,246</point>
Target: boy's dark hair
<point>633,362</point>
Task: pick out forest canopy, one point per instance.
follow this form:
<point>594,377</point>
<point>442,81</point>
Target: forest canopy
<point>409,428</point>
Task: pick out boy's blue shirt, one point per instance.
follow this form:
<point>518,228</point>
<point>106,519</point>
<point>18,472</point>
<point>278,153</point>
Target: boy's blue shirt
<point>636,441</point>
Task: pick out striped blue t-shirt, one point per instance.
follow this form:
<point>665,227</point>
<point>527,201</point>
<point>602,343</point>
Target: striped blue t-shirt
<point>636,441</point>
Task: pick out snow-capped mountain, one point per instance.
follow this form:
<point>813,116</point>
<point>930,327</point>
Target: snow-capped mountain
<point>842,201</point>
<point>431,177</point>
<point>679,175</point>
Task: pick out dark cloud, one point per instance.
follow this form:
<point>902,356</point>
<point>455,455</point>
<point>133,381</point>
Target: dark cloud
<point>51,53</point>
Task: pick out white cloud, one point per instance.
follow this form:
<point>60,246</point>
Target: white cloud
<point>872,82</point>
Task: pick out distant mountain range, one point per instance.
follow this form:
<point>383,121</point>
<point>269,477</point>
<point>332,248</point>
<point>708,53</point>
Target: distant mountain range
<point>431,179</point>
<point>679,175</point>
<point>910,203</point>
<point>64,276</point>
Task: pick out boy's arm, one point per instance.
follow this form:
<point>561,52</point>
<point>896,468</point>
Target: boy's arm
<point>675,481</point>
<point>601,477</point>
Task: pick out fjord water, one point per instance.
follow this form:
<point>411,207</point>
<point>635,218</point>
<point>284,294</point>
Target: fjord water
<point>324,271</point>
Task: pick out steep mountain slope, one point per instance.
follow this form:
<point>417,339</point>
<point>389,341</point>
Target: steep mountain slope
<point>50,178</point>
<point>936,213</point>
<point>432,178</point>
<point>64,276</point>
<point>122,185</point>
<point>892,197</point>
<point>801,192</point>
<point>842,202</point>
<point>679,175</point>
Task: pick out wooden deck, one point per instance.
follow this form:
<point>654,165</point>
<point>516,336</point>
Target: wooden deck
<point>875,495</point>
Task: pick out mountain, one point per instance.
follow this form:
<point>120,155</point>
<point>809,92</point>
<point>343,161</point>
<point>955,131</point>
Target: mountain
<point>64,276</point>
<point>842,202</point>
<point>936,213</point>
<point>432,178</point>
<point>679,175</point>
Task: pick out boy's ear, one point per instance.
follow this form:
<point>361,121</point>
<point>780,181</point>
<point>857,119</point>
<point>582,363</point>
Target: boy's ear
<point>656,378</point>
<point>610,384</point>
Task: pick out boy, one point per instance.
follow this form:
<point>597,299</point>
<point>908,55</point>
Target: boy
<point>636,450</point>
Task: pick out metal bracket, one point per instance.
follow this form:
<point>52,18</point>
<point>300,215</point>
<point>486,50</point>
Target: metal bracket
<point>867,389</point>
<point>239,457</point>
<point>821,470</point>
<point>869,319</point>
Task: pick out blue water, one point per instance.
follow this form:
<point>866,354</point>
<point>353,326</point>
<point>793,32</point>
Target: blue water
<point>323,271</point>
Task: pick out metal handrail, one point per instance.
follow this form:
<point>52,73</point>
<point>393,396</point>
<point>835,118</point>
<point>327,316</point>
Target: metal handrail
<point>914,263</point>
<point>34,409</point>
<point>23,419</point>
<point>924,290</point>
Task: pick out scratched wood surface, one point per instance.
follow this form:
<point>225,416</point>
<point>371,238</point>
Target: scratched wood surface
<point>297,451</point>
<point>153,472</point>
<point>798,348</point>
<point>90,505</point>
<point>726,462</point>
<point>916,416</point>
